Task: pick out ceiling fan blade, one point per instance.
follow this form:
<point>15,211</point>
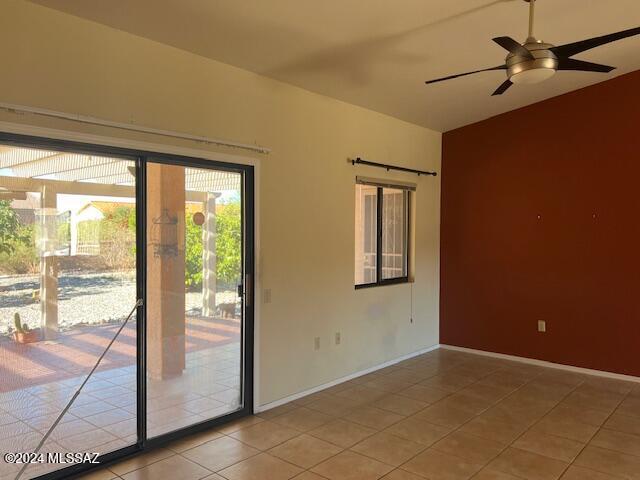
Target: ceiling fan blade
<point>512,46</point>
<point>502,88</point>
<point>582,66</point>
<point>571,49</point>
<point>500,67</point>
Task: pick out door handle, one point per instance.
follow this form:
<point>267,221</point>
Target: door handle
<point>247,289</point>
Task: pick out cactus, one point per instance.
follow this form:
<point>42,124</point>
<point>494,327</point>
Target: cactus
<point>20,327</point>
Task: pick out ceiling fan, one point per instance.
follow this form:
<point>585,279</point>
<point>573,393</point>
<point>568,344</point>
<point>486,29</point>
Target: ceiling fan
<point>535,61</point>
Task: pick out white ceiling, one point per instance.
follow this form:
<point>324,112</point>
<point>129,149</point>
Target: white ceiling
<point>377,53</point>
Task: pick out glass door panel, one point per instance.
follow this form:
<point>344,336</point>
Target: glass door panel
<point>194,313</point>
<point>67,283</point>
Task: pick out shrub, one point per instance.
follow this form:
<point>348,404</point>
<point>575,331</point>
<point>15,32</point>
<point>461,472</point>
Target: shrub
<point>228,247</point>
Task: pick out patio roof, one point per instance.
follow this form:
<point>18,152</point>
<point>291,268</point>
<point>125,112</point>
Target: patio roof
<point>94,169</point>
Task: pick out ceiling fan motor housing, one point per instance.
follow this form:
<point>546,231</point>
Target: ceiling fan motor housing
<point>524,70</point>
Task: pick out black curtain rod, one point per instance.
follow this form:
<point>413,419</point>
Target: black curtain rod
<point>391,167</point>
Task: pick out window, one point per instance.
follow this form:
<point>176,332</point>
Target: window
<point>382,233</point>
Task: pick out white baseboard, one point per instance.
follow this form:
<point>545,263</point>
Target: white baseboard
<point>295,396</point>
<point>543,363</point>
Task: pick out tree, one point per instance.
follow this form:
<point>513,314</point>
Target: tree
<point>9,226</point>
<point>193,254</point>
<point>229,242</point>
<point>228,247</point>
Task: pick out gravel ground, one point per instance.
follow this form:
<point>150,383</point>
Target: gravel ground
<point>89,299</point>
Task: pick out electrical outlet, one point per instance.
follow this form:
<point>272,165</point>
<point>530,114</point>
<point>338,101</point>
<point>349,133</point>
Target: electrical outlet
<point>542,326</point>
<point>267,295</point>
<point>338,340</point>
<point>316,343</point>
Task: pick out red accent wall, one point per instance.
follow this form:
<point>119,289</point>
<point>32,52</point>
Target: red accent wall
<point>541,221</point>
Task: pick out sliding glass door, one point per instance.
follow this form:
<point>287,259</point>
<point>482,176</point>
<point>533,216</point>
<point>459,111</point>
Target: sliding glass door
<point>195,277</point>
<point>127,275</point>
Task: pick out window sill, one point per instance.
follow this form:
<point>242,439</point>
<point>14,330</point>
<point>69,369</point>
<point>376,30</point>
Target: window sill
<point>382,283</point>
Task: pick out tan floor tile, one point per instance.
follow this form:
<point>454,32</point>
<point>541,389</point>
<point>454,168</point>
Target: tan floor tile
<point>274,412</point>
<point>495,430</point>
<point>373,417</point>
<point>550,446</point>
<point>411,376</point>
<point>516,413</point>
<point>169,469</point>
<point>488,474</point>
<point>592,399</point>
<point>399,474</point>
<point>443,414</point>
<point>435,465</point>
<point>102,474</point>
<point>618,441</point>
<point>578,414</point>
<point>467,403</point>
<point>361,380</point>
<point>140,461</point>
<point>388,384</point>
<point>362,393</point>
<point>193,440</point>
<point>623,423</point>
<point>351,466</point>
<point>305,451</point>
<point>342,433</point>
<point>579,473</point>
<point>306,400</point>
<point>302,419</point>
<point>469,447</point>
<point>566,428</point>
<point>214,476</point>
<point>388,448</point>
<point>264,435</point>
<point>609,462</point>
<point>504,379</point>
<point>308,476</point>
<point>419,431</point>
<point>545,391</point>
<point>261,467</point>
<point>220,453</point>
<point>527,465</point>
<point>238,424</point>
<point>621,387</point>
<point>399,404</point>
<point>424,393</point>
<point>630,406</point>
<point>448,381</point>
<point>332,405</point>
<point>488,393</point>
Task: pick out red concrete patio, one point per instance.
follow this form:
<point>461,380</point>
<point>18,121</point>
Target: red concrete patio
<point>76,351</point>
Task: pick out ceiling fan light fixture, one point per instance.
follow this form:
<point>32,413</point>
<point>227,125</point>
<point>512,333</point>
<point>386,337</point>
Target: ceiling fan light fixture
<point>535,75</point>
<point>536,61</point>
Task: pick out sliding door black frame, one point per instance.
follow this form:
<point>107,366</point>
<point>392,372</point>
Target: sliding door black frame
<point>141,158</point>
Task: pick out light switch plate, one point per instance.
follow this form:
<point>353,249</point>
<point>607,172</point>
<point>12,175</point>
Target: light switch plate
<point>338,339</point>
<point>542,326</point>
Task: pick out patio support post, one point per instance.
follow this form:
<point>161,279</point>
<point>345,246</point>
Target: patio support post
<point>166,327</point>
<point>209,257</point>
<point>48,263</point>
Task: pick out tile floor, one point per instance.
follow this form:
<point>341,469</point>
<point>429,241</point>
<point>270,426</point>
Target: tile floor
<point>103,417</point>
<point>445,415</point>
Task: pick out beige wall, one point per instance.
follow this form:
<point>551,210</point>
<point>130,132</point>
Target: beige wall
<point>306,199</point>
